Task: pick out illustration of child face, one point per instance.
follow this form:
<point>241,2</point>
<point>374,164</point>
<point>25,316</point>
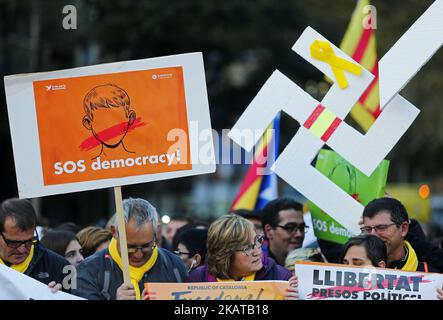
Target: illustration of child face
<point>110,125</point>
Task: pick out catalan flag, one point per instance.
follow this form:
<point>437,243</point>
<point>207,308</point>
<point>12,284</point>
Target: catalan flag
<point>260,184</point>
<point>359,43</point>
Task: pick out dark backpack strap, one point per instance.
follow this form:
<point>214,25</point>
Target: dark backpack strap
<point>167,261</point>
<point>107,276</point>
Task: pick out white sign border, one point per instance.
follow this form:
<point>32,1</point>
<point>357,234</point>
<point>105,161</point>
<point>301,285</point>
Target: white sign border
<point>24,130</point>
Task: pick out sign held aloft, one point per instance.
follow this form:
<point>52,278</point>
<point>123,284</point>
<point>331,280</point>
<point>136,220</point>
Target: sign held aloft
<point>109,125</point>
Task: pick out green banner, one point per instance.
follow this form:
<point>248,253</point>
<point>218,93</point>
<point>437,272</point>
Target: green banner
<point>352,181</point>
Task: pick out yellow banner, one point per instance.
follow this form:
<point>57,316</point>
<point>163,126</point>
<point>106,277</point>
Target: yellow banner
<point>236,290</point>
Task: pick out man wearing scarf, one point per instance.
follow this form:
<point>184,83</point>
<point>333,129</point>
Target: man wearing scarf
<point>100,276</point>
<point>21,250</point>
<point>388,219</point>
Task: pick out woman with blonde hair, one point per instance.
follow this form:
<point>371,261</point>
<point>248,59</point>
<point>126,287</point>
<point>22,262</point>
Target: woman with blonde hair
<point>234,254</point>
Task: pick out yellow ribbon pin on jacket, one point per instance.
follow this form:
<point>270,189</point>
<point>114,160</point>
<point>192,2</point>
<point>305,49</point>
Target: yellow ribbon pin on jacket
<point>322,50</point>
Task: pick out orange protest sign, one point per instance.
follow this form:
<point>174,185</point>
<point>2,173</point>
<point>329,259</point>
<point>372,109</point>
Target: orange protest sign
<point>244,290</point>
<point>109,125</point>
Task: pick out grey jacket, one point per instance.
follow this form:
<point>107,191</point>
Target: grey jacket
<point>99,277</point>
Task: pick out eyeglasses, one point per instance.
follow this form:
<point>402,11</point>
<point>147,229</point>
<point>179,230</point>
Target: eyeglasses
<point>15,244</point>
<point>378,228</point>
<point>258,242</point>
<point>144,248</point>
<point>179,253</point>
<point>291,227</point>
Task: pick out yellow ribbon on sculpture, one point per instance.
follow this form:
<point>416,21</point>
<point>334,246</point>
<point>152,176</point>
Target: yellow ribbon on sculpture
<point>322,50</point>
<point>136,274</point>
<point>22,267</point>
<point>248,278</point>
<point>412,261</point>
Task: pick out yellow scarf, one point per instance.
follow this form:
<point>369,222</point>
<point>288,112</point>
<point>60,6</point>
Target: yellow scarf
<point>136,274</point>
<point>22,267</point>
<point>248,278</point>
<point>412,260</point>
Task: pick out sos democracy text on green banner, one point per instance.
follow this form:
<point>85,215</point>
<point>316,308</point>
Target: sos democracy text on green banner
<point>351,180</point>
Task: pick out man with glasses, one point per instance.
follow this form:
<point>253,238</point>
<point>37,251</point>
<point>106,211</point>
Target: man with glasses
<point>20,248</point>
<point>387,219</point>
<point>100,276</point>
<point>190,246</point>
<point>284,227</point>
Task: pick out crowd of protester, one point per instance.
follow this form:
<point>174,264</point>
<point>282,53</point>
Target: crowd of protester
<point>240,246</point>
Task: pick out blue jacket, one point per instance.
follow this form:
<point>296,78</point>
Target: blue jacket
<point>99,277</point>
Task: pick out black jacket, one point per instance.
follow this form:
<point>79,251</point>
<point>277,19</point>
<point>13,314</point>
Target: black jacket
<point>422,266</point>
<point>47,266</point>
<point>424,249</point>
<point>99,277</point>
